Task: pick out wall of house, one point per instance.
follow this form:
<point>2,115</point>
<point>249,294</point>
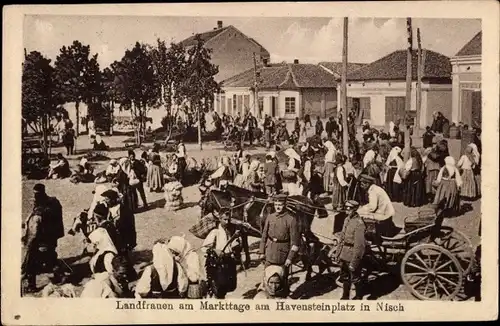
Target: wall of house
<point>233,53</point>
<point>466,72</point>
<point>440,96</point>
<point>438,100</point>
<point>318,102</point>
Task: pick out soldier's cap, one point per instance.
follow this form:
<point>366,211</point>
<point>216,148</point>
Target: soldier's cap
<point>352,204</point>
<point>39,188</point>
<point>111,194</point>
<point>366,178</point>
<point>280,198</point>
<point>101,210</point>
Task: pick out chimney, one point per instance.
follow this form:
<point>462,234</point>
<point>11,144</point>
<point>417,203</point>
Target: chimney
<point>219,24</point>
<point>296,61</point>
<point>265,62</point>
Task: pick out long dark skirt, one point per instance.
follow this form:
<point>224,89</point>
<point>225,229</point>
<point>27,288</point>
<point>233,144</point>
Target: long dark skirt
<point>130,198</point>
<point>414,189</point>
<point>392,188</point>
<point>447,197</point>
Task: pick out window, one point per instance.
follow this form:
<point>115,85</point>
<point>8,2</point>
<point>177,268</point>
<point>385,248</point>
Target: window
<point>261,103</point>
<point>234,103</point>
<point>289,105</point>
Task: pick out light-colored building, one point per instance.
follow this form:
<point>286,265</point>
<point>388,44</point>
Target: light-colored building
<point>378,90</point>
<point>284,90</point>
<point>232,51</point>
<point>467,83</point>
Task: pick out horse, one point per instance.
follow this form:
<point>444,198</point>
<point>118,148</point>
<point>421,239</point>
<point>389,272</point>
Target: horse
<point>254,207</point>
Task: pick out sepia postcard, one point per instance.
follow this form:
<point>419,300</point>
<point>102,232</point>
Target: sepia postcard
<point>271,162</point>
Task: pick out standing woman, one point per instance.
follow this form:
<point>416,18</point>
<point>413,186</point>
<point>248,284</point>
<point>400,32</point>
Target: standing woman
<point>466,164</point>
<point>448,182</point>
<point>477,167</point>
<point>290,173</point>
<point>122,183</point>
<point>338,183</point>
<point>432,167</point>
<point>155,173</point>
<point>414,187</point>
<point>329,165</point>
<point>393,180</point>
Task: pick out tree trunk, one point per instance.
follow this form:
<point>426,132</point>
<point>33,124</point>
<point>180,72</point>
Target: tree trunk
<point>45,137</point>
<point>111,116</point>
<point>77,108</point>
<point>199,127</point>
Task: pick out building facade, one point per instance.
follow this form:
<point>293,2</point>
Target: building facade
<point>232,51</point>
<point>378,91</point>
<point>466,65</point>
<point>284,91</point>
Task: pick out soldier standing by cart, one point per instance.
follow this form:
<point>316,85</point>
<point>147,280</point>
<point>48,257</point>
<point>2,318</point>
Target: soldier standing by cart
<point>280,238</point>
<point>352,250</point>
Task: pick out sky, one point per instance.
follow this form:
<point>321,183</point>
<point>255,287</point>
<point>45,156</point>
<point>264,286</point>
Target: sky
<point>309,39</point>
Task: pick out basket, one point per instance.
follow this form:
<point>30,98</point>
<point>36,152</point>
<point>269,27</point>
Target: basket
<point>425,216</point>
<point>203,227</point>
<point>194,291</point>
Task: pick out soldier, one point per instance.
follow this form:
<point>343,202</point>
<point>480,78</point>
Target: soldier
<point>352,249</point>
<point>43,228</point>
<point>280,237</point>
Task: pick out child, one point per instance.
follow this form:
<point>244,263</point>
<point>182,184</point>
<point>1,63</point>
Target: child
<point>427,137</point>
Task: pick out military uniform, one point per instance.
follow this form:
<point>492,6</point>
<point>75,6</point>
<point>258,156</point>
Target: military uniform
<point>352,251</point>
<point>280,238</point>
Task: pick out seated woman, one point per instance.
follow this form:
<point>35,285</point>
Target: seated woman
<point>164,278</point>
<point>274,283</point>
<point>60,169</point>
<point>223,174</point>
<point>98,144</point>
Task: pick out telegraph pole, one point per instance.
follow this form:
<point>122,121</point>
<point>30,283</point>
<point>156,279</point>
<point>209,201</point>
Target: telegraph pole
<point>408,87</point>
<point>256,88</point>
<point>419,82</point>
<point>345,134</point>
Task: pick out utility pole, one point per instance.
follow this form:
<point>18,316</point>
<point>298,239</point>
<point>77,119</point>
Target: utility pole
<point>419,83</point>
<point>256,88</point>
<point>345,134</point>
<point>407,136</point>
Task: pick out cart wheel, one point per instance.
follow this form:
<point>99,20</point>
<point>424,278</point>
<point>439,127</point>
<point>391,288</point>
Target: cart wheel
<point>457,244</point>
<point>431,272</point>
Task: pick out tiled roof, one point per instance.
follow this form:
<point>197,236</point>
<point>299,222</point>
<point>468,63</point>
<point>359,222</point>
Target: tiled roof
<point>204,36</point>
<point>285,76</point>
<point>336,67</point>
<point>393,67</point>
<point>473,47</point>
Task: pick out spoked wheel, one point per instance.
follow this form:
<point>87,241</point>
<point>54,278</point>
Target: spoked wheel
<point>457,243</point>
<point>431,272</point>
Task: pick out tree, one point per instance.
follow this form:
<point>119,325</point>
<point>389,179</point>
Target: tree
<point>170,65</point>
<point>137,85</point>
<point>200,85</point>
<point>76,76</point>
<point>39,101</point>
<point>109,91</point>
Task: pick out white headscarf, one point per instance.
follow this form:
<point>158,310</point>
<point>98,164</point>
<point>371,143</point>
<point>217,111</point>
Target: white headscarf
<point>98,139</point>
<point>475,153</point>
<point>189,258</point>
<point>393,154</point>
<point>101,239</point>
<point>391,129</point>
<point>452,171</point>
<point>270,271</point>
<point>332,151</point>
<point>99,190</point>
<point>290,152</point>
<point>254,166</point>
<point>163,262</point>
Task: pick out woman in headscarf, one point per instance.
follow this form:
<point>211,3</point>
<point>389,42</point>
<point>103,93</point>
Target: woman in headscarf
<point>432,166</point>
<point>393,180</point>
<point>187,257</point>
<point>274,283</point>
<point>414,187</point>
<point>448,184</point>
<point>155,173</point>
<point>338,183</point>
<point>223,174</point>
<point>290,173</point>
<point>329,165</point>
<point>122,183</point>
<point>466,163</point>
<point>252,180</point>
<point>164,279</point>
<point>477,167</point>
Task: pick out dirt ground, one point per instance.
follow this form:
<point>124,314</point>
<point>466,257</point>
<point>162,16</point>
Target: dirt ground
<point>158,223</point>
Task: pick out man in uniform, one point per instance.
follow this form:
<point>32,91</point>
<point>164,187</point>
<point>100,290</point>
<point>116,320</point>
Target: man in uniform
<point>352,251</point>
<point>280,237</point>
<point>41,231</point>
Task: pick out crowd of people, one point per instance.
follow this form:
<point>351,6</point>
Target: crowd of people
<point>365,182</point>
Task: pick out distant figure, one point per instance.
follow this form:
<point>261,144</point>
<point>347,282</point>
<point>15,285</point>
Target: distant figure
<point>427,137</point>
<point>60,169</point>
<point>318,127</point>
<point>68,139</point>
